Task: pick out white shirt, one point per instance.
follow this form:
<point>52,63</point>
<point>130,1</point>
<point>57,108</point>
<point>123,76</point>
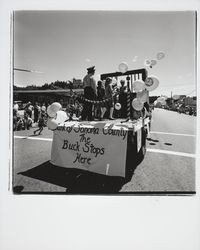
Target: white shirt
<point>89,81</point>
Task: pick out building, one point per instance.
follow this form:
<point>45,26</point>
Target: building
<point>45,96</point>
<point>77,83</point>
<point>190,101</point>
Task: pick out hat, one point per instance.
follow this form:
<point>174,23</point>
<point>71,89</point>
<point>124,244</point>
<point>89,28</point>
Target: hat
<point>91,69</point>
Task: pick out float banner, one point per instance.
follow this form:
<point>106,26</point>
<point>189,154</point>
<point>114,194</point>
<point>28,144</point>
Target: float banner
<point>97,148</point>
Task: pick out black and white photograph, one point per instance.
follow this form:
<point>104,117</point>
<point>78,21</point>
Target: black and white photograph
<point>99,125</point>
<point>103,102</point>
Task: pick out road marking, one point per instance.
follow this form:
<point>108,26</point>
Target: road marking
<point>164,133</point>
<point>170,152</point>
<point>32,138</point>
<point>148,149</point>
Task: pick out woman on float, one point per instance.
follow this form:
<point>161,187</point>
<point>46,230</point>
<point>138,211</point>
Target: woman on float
<point>109,95</point>
<point>100,96</point>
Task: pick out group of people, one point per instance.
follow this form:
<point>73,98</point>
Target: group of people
<point>31,114</point>
<point>102,91</point>
<point>99,103</point>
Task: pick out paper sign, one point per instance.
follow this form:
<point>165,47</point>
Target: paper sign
<point>98,148</point>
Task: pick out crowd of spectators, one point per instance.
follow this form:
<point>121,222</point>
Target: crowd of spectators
<point>29,115</point>
<point>182,109</point>
<point>35,115</point>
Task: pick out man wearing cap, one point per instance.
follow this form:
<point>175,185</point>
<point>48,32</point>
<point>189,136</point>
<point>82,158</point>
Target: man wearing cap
<point>89,85</point>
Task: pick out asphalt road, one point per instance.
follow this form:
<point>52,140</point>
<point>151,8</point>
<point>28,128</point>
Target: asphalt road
<point>169,164</point>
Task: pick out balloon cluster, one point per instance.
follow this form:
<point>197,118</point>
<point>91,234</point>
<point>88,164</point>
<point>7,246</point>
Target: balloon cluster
<point>56,115</point>
<point>141,88</point>
<point>123,67</point>
<point>150,63</point>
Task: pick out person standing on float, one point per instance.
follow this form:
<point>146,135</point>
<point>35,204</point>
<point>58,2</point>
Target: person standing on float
<point>89,85</point>
<point>123,99</point>
<point>109,95</point>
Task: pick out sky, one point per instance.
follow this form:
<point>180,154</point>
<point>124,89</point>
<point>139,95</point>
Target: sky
<point>62,44</point>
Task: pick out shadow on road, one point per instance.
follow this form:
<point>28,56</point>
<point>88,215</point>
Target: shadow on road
<point>75,181</point>
<point>149,139</point>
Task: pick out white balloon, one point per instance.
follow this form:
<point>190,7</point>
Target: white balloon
<point>117,106</point>
<point>114,81</point>
<point>142,96</point>
<point>160,55</point>
<point>138,85</point>
<point>123,67</point>
<point>151,83</point>
<point>147,62</point>
<point>43,108</point>
<point>61,116</point>
<point>52,124</point>
<point>137,105</point>
<point>53,109</point>
<point>51,113</point>
<point>16,107</point>
<point>153,62</point>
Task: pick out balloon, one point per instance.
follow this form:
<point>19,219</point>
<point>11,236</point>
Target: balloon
<point>114,81</point>
<point>151,83</point>
<point>153,62</point>
<point>43,108</point>
<point>176,97</point>
<point>147,63</point>
<point>117,106</point>
<point>142,96</point>
<point>61,116</point>
<point>53,108</point>
<point>138,85</point>
<point>123,67</point>
<point>16,107</point>
<point>160,55</point>
<point>137,105</point>
<point>52,124</point>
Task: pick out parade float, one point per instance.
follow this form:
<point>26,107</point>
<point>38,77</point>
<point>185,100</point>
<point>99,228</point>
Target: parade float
<point>108,147</point>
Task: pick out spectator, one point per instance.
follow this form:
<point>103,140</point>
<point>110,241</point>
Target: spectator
<point>36,112</point>
<point>41,123</point>
<point>14,119</point>
<point>43,108</point>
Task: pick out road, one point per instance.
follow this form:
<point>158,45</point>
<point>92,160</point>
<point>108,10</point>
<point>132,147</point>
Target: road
<point>169,164</point>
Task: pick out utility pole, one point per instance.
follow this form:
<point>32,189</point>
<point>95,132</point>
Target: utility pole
<point>172,103</point>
